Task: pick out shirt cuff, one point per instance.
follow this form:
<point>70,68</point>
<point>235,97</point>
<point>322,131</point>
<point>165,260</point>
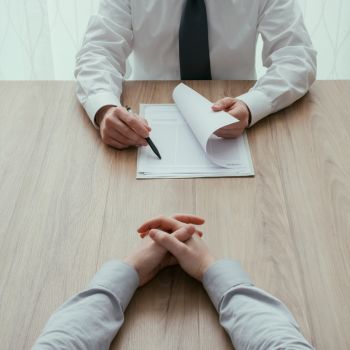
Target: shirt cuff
<point>222,276</point>
<point>119,278</point>
<point>258,103</point>
<point>95,102</point>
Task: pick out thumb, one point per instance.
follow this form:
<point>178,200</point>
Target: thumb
<point>145,122</point>
<point>223,104</point>
<point>169,242</point>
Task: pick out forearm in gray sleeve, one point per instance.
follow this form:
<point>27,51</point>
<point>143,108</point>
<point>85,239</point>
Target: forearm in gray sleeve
<point>253,318</point>
<point>92,318</point>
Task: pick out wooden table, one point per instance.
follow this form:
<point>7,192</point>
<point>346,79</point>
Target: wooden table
<point>69,203</point>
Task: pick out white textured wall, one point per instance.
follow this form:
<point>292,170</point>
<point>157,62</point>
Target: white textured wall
<point>39,38</point>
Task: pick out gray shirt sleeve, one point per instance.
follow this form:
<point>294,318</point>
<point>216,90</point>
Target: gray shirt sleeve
<point>92,318</point>
<point>253,318</point>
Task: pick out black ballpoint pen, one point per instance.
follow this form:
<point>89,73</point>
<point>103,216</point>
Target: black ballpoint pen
<point>148,139</point>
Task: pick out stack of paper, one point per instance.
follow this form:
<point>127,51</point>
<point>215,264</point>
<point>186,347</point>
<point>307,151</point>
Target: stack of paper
<point>183,133</point>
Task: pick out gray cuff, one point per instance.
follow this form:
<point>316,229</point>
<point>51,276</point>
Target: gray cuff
<point>119,278</point>
<point>222,276</point>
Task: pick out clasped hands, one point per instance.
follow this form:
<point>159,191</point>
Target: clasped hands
<point>120,129</point>
<point>168,241</point>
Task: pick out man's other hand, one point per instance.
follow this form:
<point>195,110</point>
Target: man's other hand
<point>237,109</point>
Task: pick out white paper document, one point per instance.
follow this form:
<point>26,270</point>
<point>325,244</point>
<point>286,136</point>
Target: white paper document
<point>184,135</point>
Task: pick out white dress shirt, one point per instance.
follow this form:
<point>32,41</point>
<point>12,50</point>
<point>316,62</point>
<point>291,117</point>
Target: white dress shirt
<point>149,29</point>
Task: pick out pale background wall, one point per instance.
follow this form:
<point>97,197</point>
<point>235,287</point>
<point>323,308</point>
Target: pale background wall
<point>39,38</point>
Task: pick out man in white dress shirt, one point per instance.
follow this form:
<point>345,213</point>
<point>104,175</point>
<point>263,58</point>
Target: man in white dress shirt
<point>193,39</point>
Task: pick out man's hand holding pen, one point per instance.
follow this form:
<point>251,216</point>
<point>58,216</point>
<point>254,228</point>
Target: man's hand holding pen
<point>120,128</point>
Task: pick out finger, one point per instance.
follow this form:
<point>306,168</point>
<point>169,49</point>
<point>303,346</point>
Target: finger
<point>184,233</point>
<point>162,222</point>
<point>112,127</point>
<point>223,104</point>
<point>115,144</point>
<point>130,134</point>
<point>117,136</point>
<point>199,233</point>
<point>169,242</point>
<point>189,219</point>
<point>145,121</point>
<point>170,224</point>
<point>230,133</point>
<point>134,123</point>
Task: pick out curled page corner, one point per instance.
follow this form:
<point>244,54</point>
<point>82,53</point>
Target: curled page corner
<point>204,122</point>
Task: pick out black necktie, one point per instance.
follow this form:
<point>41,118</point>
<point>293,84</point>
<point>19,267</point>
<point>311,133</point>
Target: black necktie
<point>193,42</point>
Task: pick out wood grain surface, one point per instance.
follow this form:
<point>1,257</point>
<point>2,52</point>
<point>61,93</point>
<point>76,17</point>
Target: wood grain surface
<point>68,204</point>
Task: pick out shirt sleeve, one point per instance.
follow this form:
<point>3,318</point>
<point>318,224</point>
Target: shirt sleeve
<point>253,318</point>
<point>91,319</point>
<point>288,55</point>
<point>101,62</point>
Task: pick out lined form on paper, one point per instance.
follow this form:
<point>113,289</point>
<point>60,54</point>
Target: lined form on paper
<point>183,133</point>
